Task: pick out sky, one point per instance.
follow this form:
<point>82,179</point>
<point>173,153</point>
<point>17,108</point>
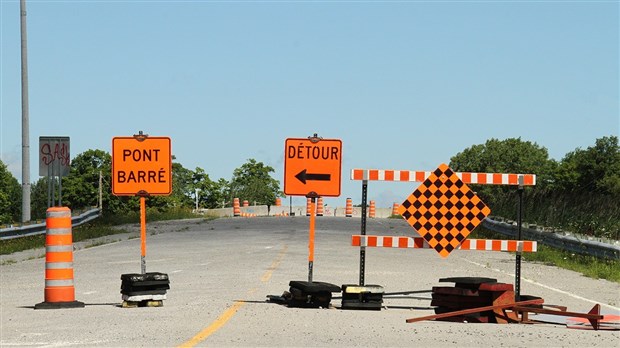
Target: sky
<point>403,84</point>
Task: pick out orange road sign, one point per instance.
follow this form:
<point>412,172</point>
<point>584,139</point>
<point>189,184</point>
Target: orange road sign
<point>141,165</point>
<point>312,167</point>
<point>443,210</point>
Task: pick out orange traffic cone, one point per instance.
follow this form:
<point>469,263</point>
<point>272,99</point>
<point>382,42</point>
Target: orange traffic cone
<point>236,208</point>
<point>308,210</point>
<point>59,288</point>
<point>395,209</point>
<point>319,207</point>
<point>349,208</point>
<point>371,210</point>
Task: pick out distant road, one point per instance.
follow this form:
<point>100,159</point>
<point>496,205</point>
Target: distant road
<point>221,272</point>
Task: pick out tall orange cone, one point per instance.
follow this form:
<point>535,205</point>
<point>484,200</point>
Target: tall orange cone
<point>308,208</point>
<point>349,208</point>
<point>319,207</point>
<point>59,287</point>
<point>278,202</point>
<point>371,210</point>
<point>236,208</point>
<point>395,209</point>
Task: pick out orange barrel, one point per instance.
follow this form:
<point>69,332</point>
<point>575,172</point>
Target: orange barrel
<point>349,208</point>
<point>319,207</point>
<point>371,210</point>
<point>278,202</point>
<point>236,208</point>
<point>59,288</point>
<point>395,209</point>
<point>246,203</point>
<point>308,209</point>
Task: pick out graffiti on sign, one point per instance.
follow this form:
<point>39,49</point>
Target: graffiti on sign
<point>54,156</point>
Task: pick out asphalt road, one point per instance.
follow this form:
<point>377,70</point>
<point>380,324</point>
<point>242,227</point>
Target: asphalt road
<point>221,272</point>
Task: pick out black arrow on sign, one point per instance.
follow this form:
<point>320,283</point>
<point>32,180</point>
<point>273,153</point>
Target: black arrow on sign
<point>303,177</point>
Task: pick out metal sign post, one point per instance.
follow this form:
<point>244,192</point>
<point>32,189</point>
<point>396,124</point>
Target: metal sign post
<point>363,231</point>
<point>143,234</point>
<point>311,238</point>
<point>519,237</point>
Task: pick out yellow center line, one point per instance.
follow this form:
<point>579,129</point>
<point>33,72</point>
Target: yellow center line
<point>230,312</point>
<point>274,265</point>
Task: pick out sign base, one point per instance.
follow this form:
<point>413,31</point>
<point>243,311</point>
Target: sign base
<point>59,305</point>
<point>362,297</point>
<point>303,294</point>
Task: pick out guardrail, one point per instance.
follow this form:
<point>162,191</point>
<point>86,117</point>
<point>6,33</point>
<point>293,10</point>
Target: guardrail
<point>34,229</point>
<point>569,243</point>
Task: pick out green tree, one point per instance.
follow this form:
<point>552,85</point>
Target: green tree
<point>212,194</point>
<point>39,198</point>
<point>10,196</point>
<point>593,170</point>
<point>81,186</point>
<point>253,182</point>
<point>507,156</point>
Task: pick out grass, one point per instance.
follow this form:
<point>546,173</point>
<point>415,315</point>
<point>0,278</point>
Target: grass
<point>589,266</point>
<point>84,232</point>
<point>151,215</point>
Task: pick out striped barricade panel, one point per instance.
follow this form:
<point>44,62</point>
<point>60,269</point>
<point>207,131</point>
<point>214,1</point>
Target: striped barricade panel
<point>419,176</point>
<point>420,243</point>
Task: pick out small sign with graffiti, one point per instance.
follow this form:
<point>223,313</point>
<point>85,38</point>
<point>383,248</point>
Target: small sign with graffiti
<point>54,156</point>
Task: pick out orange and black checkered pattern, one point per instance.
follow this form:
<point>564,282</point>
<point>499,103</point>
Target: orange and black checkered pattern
<point>443,210</point>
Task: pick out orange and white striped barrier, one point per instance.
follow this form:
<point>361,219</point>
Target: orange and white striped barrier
<point>319,207</point>
<point>395,207</point>
<point>59,286</point>
<point>420,243</point>
<point>419,176</point>
<point>349,208</point>
<point>246,203</point>
<point>236,207</point>
<point>278,202</point>
<point>372,210</point>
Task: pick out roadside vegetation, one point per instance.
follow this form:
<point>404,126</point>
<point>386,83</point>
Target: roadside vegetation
<point>580,193</point>
<point>589,266</point>
<point>105,226</point>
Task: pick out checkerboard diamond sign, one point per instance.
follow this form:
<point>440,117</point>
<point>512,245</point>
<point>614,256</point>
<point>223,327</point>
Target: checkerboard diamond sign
<point>443,210</point>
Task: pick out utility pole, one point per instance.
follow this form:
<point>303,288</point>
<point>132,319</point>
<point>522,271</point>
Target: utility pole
<point>25,120</point>
<point>100,191</point>
<point>197,190</point>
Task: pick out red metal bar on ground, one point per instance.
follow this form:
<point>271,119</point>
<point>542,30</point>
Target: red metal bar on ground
<point>593,315</point>
<point>476,310</point>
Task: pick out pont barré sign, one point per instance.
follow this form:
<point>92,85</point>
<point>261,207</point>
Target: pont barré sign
<point>141,165</point>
